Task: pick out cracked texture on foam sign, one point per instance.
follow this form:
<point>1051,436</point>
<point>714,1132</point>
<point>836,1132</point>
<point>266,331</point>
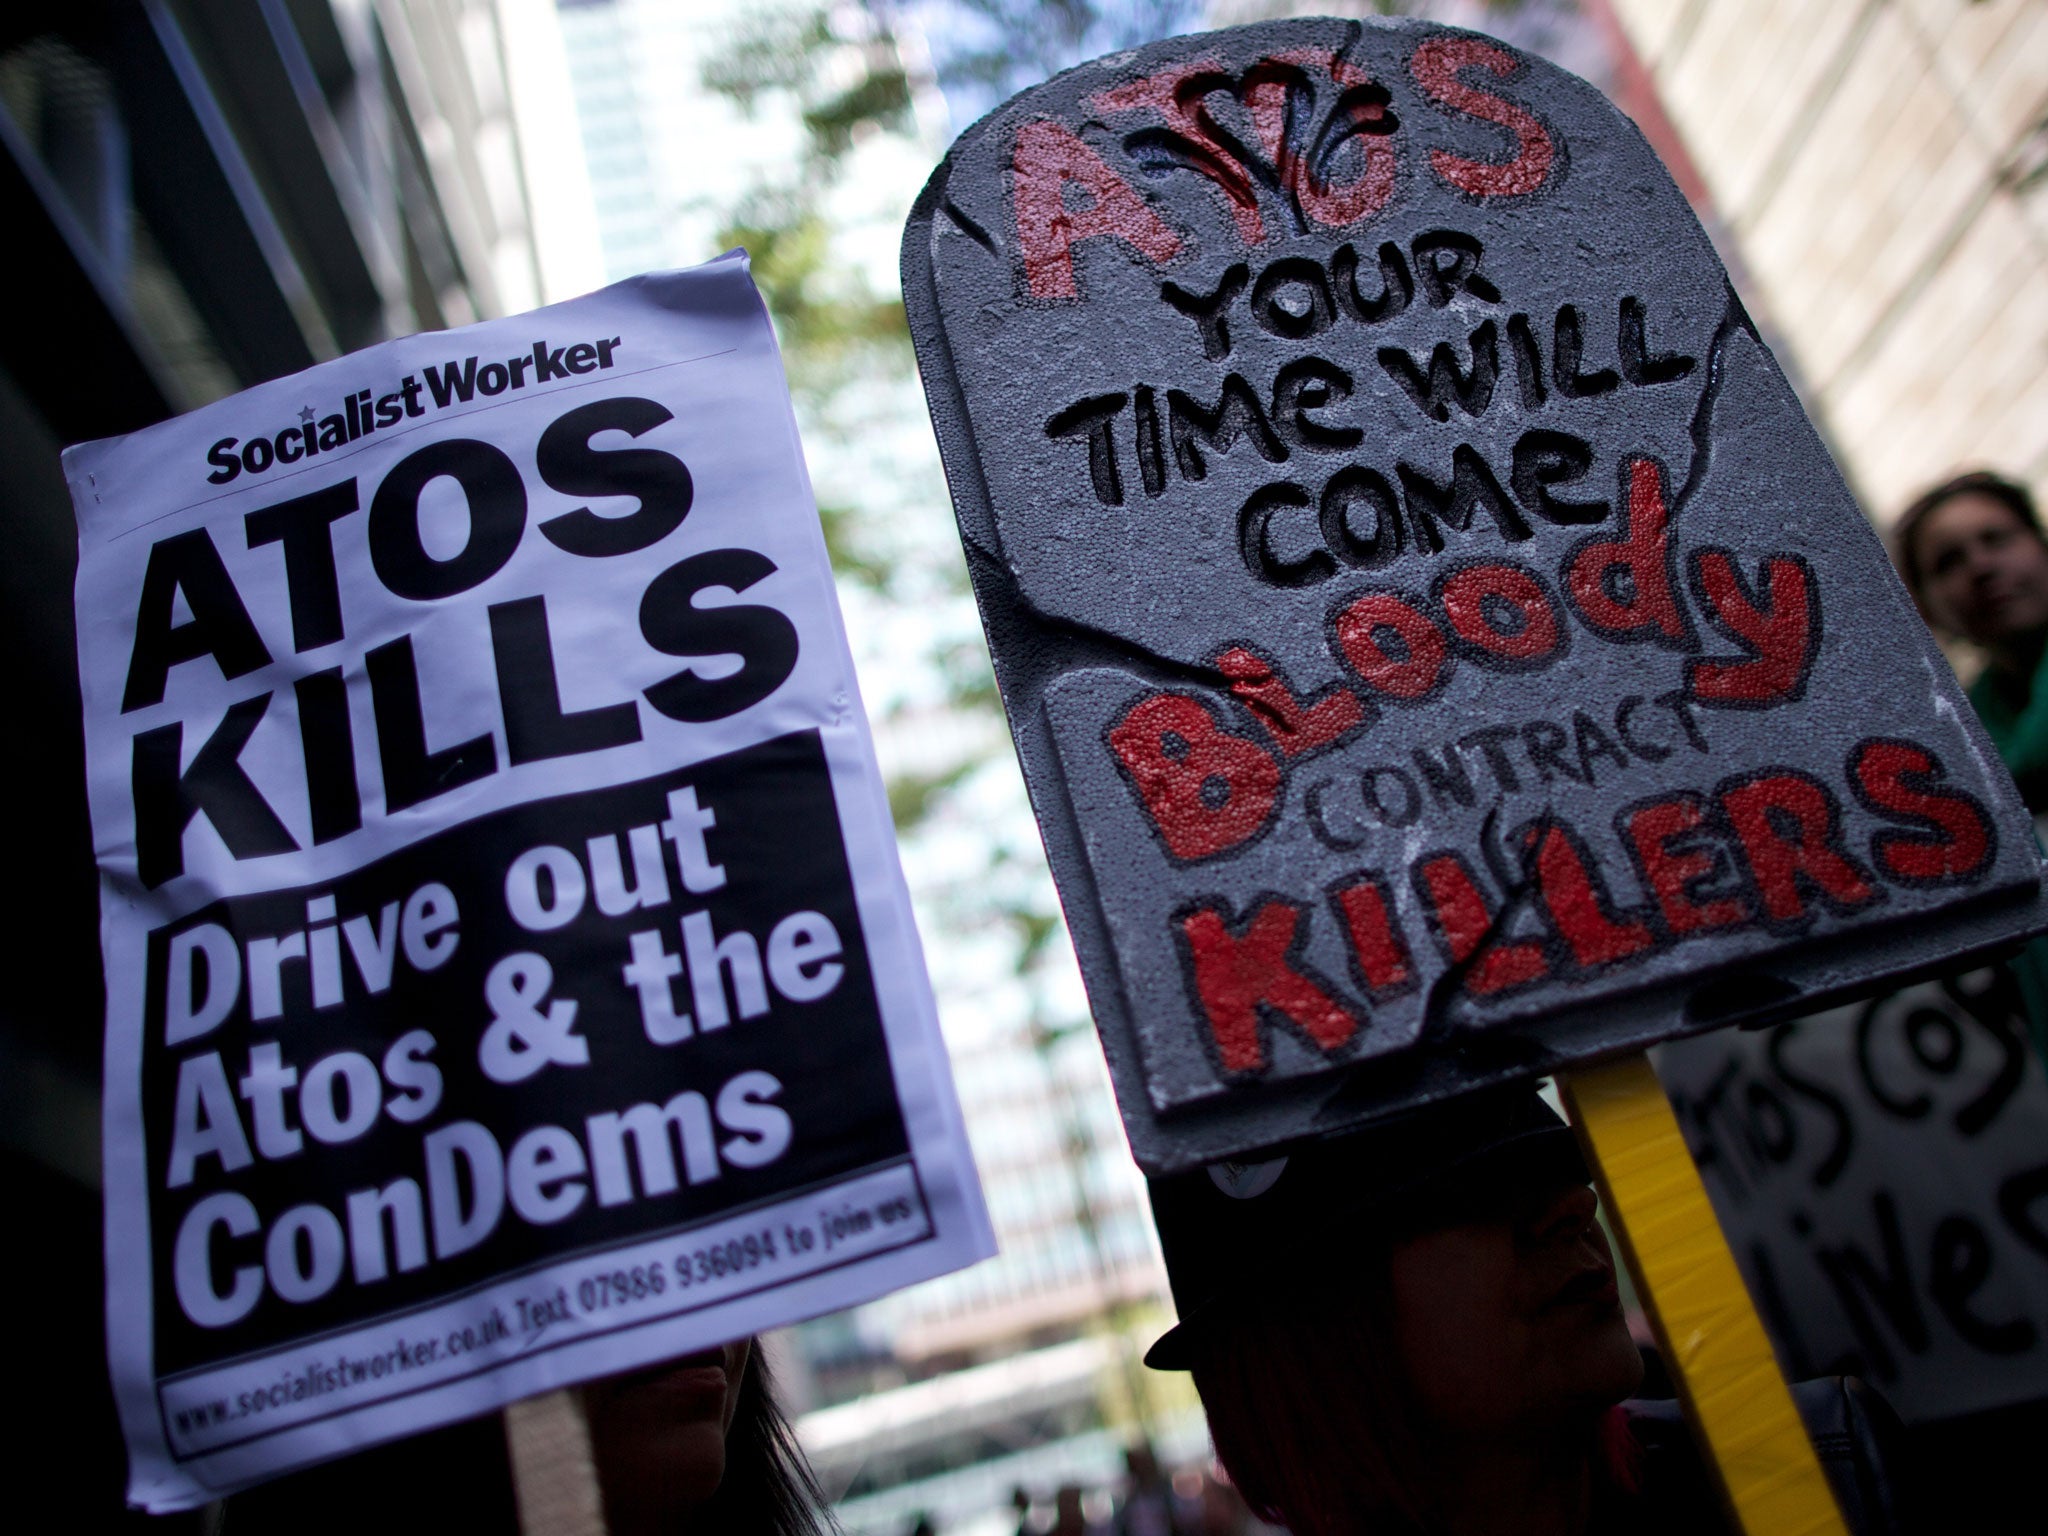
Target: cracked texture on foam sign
<point>1438,646</point>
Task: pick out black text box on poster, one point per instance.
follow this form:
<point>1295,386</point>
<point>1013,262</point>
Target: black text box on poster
<point>348,1059</point>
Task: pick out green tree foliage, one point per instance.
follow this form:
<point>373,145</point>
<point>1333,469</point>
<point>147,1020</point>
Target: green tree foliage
<point>841,67</point>
<point>839,71</point>
<point>985,51</point>
<point>803,51</point>
<point>831,328</point>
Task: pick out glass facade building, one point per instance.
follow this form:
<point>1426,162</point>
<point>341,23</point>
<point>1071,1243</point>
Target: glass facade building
<point>198,195</point>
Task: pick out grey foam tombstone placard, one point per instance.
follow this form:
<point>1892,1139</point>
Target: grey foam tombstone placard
<point>1438,646</point>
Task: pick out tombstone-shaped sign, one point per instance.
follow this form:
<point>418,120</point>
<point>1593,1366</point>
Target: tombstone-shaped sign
<point>1438,645</point>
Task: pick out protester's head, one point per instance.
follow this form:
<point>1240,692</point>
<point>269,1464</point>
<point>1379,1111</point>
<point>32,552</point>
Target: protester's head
<point>699,1445</point>
<point>1363,1312</point>
<point>1974,556</point>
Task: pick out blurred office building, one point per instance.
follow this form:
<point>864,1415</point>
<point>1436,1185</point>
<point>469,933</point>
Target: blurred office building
<point>199,195</point>
<point>1021,1371</point>
<point>1884,168</point>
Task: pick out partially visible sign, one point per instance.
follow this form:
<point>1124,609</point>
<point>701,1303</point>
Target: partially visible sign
<point>510,979</point>
<point>1439,648</point>
<point>1881,1172</point>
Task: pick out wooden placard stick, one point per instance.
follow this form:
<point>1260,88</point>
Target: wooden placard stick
<point>554,1468</point>
<point>1714,1345</point>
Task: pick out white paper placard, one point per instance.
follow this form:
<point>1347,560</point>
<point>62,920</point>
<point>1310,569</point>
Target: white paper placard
<point>1881,1173</point>
<point>510,978</point>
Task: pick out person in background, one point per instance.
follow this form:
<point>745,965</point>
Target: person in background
<point>1147,1507</point>
<point>1975,558</point>
<point>1415,1330</point>
<point>698,1447</point>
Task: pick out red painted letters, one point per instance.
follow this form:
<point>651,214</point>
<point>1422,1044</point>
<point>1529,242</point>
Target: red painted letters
<point>1377,948</point>
<point>1295,726</point>
<point>1788,828</point>
<point>1467,927</point>
<point>1360,114</point>
<point>1206,790</point>
<point>1176,95</point>
<point>1594,936</point>
<point>1951,838</point>
<point>1436,66</point>
<point>1408,675</point>
<point>1641,559</point>
<point>1532,635</point>
<point>1048,158</point>
<point>1782,635</point>
<point>1238,975</point>
<point>1672,872</point>
<point>1296,144</point>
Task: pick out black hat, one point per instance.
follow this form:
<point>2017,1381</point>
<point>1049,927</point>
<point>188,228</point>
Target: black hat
<point>1237,1223</point>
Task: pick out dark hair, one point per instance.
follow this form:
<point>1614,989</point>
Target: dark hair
<point>1978,482</point>
<point>768,1488</point>
<point>1311,1413</point>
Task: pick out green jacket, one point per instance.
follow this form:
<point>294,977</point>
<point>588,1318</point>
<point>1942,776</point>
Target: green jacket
<point>2018,728</point>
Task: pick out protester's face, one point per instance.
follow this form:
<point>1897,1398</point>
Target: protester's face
<point>659,1435</point>
<point>1513,1324</point>
<point>1985,574</point>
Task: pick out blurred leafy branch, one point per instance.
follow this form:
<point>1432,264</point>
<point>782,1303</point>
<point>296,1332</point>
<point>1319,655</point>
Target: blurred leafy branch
<point>847,348</point>
<point>806,52</point>
<point>839,68</point>
<point>995,48</point>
